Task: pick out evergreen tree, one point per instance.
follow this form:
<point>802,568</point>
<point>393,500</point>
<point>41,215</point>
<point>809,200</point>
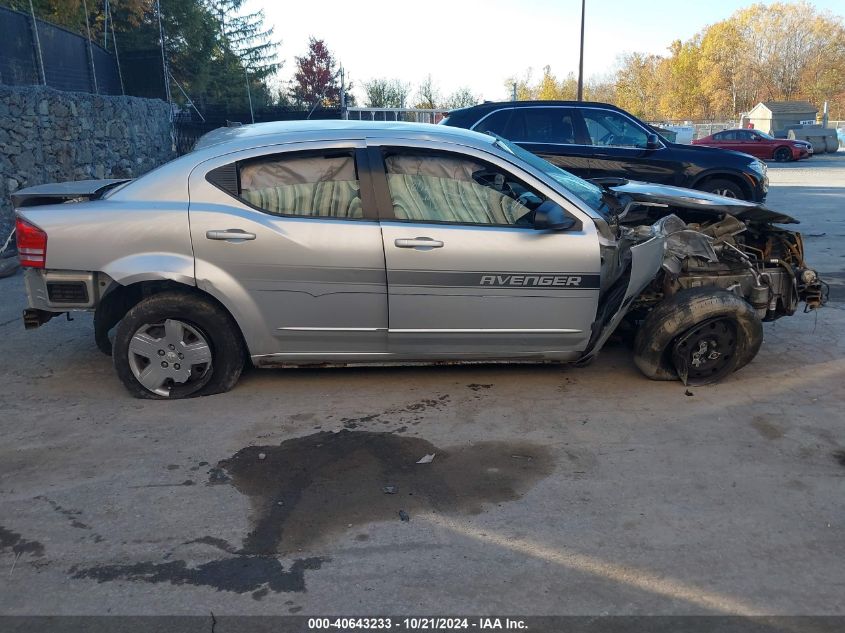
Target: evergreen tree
<point>244,35</point>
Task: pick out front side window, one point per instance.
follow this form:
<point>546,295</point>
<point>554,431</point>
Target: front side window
<point>310,184</point>
<point>444,187</point>
<point>611,129</point>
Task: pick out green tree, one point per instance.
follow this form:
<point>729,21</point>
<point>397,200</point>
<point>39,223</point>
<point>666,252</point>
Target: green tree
<point>386,93</point>
<point>244,35</point>
<point>461,98</point>
<point>428,94</point>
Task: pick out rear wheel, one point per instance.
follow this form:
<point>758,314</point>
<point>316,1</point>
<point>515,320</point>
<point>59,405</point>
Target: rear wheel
<point>699,335</point>
<point>177,345</point>
<point>783,154</point>
<point>722,187</point>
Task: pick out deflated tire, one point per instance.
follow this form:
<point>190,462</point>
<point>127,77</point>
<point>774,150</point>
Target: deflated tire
<point>698,335</point>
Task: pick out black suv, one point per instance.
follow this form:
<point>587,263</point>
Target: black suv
<point>597,140</point>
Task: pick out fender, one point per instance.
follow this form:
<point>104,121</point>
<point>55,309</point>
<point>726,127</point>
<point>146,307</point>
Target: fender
<point>152,267</point>
<point>257,334</point>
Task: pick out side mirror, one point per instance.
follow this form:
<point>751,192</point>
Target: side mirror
<point>550,215</point>
<point>652,142</point>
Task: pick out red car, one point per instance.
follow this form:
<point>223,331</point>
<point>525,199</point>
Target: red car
<point>758,144</point>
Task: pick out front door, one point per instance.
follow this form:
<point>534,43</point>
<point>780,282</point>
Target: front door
<point>468,275</point>
<point>290,242</point>
<point>620,149</point>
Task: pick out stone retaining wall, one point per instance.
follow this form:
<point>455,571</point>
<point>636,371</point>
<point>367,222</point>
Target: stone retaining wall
<point>52,136</point>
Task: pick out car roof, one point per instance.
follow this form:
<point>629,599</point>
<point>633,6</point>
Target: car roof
<point>318,130</point>
<point>529,104</point>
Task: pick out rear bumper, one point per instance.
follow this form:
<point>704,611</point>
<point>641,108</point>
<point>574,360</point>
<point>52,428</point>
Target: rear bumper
<point>62,290</point>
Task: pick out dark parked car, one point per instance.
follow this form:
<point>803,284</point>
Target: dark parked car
<point>597,140</point>
<point>758,144</point>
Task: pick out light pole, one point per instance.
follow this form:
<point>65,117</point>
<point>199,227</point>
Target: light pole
<point>581,59</point>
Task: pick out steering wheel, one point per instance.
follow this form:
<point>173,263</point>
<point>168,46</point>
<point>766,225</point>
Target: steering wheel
<point>529,200</point>
<point>494,180</point>
<point>607,139</point>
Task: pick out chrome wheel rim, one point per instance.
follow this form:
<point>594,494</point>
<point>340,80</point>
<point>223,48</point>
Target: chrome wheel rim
<point>727,193</point>
<point>168,355</point>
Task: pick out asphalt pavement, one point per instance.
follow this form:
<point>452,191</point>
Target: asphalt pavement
<point>551,491</point>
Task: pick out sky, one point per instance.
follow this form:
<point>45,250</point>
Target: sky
<point>479,44</point>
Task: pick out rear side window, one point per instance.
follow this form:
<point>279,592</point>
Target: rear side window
<point>542,125</point>
<point>532,125</point>
<point>725,136</point>
<point>312,184</point>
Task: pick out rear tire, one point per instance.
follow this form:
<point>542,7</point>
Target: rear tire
<point>783,155</point>
<point>181,345</point>
<point>707,332</point>
<point>723,187</point>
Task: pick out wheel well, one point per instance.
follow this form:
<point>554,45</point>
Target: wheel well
<point>119,300</point>
<point>780,147</point>
<point>737,180</point>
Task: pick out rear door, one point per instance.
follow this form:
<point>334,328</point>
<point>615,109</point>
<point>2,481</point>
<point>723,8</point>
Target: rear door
<point>553,132</point>
<point>468,275</point>
<point>288,238</point>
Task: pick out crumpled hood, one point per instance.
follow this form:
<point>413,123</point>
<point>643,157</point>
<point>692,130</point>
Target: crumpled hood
<point>702,202</point>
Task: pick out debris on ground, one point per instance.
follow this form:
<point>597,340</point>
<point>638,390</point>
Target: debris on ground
<point>404,516</point>
<point>688,393</point>
<point>390,489</point>
<point>218,476</point>
<point>427,459</point>
<point>262,455</point>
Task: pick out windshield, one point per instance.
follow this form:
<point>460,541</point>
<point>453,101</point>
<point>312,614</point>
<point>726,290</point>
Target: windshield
<point>768,137</point>
<point>585,191</point>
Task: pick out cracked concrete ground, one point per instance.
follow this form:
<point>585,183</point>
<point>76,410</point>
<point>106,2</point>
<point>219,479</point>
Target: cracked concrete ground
<point>617,495</point>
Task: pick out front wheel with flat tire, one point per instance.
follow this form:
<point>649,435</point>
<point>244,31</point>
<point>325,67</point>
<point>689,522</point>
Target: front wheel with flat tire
<point>177,345</point>
<point>699,335</point>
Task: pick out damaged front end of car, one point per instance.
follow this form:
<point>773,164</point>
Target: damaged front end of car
<point>698,257</point>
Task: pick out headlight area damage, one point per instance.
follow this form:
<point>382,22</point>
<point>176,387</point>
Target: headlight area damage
<point>698,281</point>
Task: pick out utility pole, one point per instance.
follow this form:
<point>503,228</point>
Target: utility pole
<point>106,24</point>
<point>37,44</point>
<point>581,59</point>
<point>249,96</point>
<point>343,112</point>
<point>514,91</point>
<point>165,73</point>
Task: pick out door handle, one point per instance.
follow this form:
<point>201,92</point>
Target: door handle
<point>229,234</point>
<point>418,242</point>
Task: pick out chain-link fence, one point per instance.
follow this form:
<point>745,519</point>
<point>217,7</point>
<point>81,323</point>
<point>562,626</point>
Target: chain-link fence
<point>34,52</point>
<point>188,127</point>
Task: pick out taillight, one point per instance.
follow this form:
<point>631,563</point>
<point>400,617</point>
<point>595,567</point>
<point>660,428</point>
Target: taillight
<point>32,244</point>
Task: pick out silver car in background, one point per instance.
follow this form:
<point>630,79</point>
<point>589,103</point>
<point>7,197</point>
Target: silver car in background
<point>352,242</point>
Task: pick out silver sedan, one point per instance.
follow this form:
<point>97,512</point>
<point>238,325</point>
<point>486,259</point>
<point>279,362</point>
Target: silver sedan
<point>353,242</point>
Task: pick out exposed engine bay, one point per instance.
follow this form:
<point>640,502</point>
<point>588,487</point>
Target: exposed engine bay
<point>723,243</point>
<point>694,276</point>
